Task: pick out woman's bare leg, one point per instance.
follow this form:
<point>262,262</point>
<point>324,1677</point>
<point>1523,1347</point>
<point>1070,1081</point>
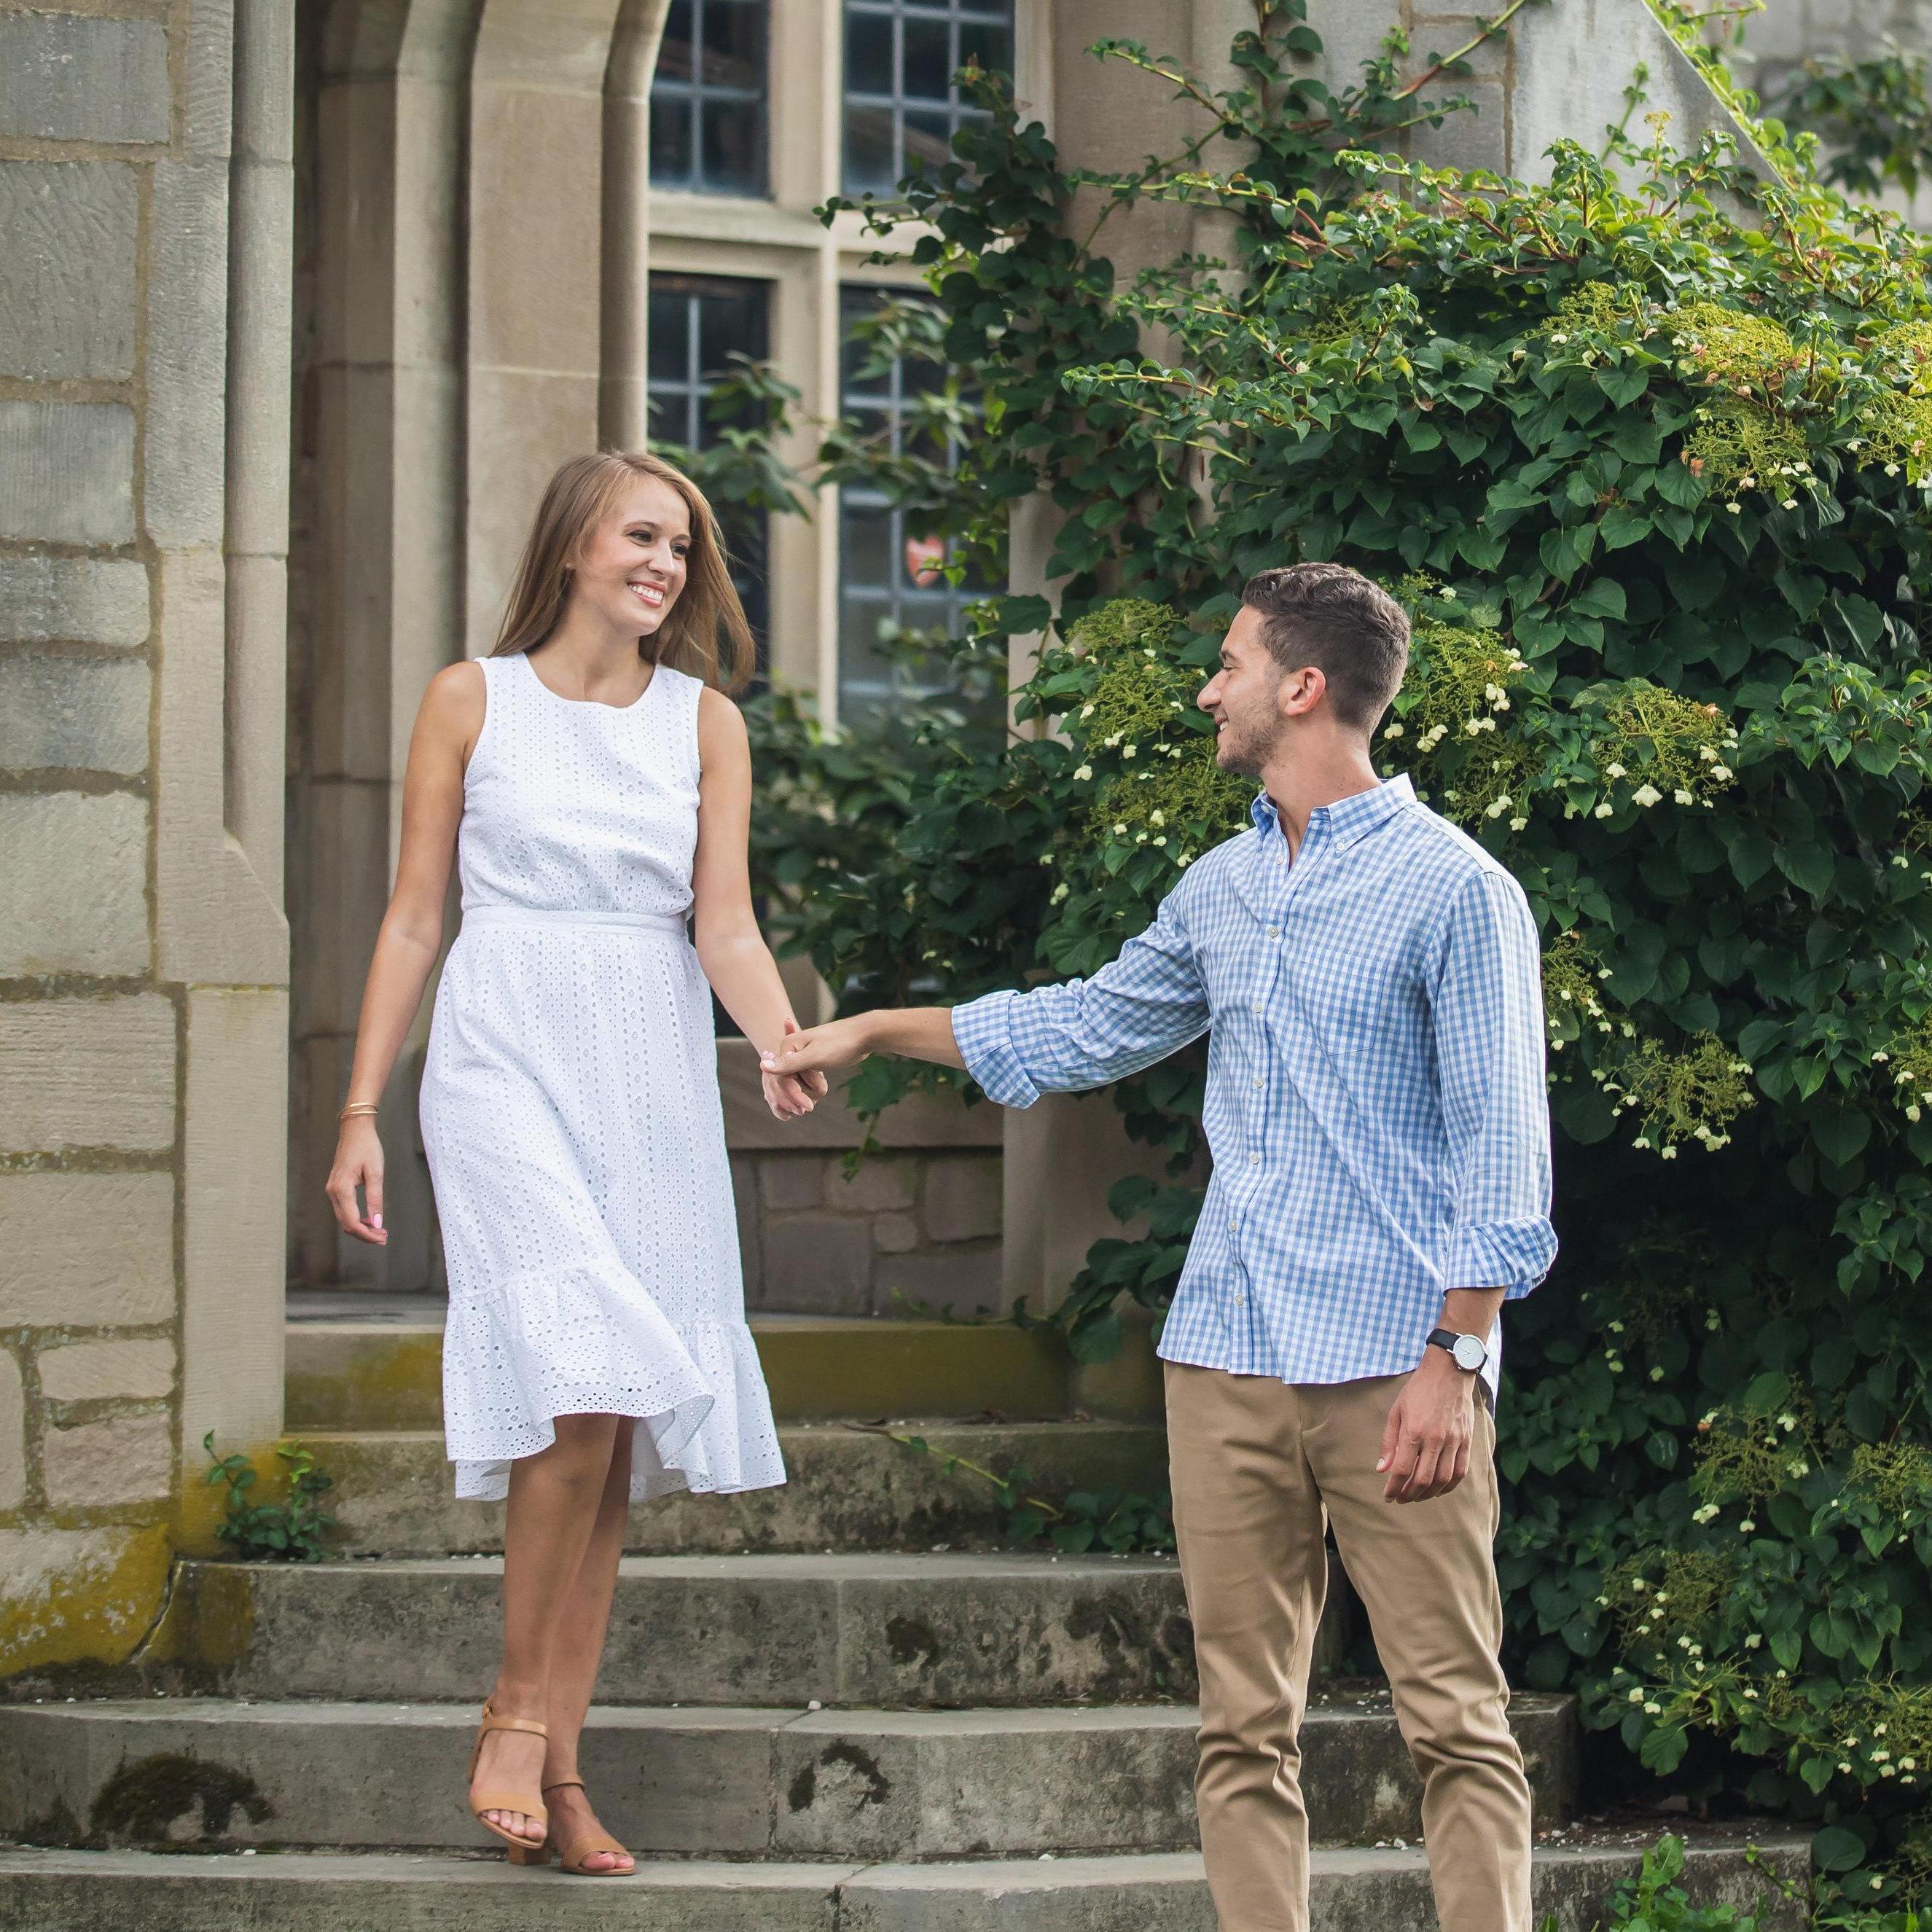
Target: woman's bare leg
<point>555,1497</point>
<point>577,1648</point>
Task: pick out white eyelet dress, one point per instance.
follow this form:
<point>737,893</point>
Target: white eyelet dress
<point>570,1106</point>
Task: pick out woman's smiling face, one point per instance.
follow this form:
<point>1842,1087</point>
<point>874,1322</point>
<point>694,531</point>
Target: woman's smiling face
<point>635,558</point>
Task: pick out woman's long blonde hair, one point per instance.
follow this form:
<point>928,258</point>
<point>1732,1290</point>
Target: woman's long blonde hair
<point>704,632</point>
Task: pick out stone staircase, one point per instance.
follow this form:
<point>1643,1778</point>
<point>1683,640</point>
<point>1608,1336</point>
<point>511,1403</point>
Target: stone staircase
<point>840,1706</point>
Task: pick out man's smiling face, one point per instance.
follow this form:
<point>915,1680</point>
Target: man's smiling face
<point>1243,698</point>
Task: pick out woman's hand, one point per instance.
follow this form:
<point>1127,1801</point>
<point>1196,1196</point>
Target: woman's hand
<point>837,1043</point>
<point>789,1096</point>
<point>358,1164</point>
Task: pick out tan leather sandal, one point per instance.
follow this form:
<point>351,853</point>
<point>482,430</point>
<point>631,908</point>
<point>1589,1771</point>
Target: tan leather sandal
<point>572,1856</point>
<point>523,1851</point>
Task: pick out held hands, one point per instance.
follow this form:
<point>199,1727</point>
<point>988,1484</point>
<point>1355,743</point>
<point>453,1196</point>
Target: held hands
<point>1426,1445</point>
<point>790,1091</point>
<point>815,1050</point>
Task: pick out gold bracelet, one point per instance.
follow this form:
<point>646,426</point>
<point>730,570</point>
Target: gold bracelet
<point>358,1107</point>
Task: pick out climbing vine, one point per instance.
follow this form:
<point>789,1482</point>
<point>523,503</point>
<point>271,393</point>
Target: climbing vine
<point>1645,452</point>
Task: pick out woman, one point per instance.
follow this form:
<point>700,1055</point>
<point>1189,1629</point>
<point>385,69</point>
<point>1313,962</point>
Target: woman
<point>594,784</point>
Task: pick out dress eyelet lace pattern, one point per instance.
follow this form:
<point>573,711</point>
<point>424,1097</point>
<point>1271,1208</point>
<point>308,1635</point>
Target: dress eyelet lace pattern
<point>570,1106</point>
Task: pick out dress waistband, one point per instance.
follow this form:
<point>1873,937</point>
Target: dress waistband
<point>668,922</point>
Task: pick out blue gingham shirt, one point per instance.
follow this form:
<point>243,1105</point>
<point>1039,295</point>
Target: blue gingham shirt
<point>1376,1107</point>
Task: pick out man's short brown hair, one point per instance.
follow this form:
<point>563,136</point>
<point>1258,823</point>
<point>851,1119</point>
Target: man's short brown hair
<point>1352,631</point>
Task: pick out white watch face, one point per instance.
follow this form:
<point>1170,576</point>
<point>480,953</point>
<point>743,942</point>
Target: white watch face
<point>1469,1353</point>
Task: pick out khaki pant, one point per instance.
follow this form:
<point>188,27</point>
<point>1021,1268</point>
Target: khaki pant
<point>1258,1466</point>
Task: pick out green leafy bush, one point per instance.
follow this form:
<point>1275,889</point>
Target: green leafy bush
<point>1656,1903</point>
<point>1646,453</point>
<point>295,1530</point>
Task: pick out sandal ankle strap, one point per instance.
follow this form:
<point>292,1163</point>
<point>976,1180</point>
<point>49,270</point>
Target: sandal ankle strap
<point>491,1722</point>
<point>562,1783</point>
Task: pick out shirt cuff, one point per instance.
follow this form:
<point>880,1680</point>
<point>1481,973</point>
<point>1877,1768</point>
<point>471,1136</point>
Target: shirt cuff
<point>982,1031</point>
<point>1512,1256</point>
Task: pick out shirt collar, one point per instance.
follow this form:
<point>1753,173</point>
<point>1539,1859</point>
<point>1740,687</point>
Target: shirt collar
<point>1348,819</point>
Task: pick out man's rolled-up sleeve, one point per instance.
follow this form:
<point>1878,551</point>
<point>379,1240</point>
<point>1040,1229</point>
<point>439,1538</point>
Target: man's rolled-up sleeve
<point>1147,1003</point>
<point>1488,1006</point>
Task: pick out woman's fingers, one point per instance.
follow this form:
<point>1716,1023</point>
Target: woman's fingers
<point>350,1216</point>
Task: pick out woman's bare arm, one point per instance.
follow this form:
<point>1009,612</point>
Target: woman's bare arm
<point>730,948</point>
<point>411,936</point>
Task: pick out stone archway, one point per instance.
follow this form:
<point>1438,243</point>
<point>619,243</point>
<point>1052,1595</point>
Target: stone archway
<point>472,246</point>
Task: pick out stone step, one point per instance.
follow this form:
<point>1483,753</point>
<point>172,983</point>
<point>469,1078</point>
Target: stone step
<point>879,1630</point>
<point>1351,1891</point>
<point>384,1370</point>
<point>720,1783</point>
<point>851,1489</point>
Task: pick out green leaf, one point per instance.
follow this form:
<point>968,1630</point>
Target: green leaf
<point>1601,597</point>
<point>1841,1133</point>
<point>1675,484</point>
<point>1809,868</point>
<point>1635,439</point>
<point>1622,524</point>
<point>1695,579</point>
<point>1835,1849</point>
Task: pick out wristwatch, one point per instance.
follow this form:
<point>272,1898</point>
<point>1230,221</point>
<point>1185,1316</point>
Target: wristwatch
<point>1469,1352</point>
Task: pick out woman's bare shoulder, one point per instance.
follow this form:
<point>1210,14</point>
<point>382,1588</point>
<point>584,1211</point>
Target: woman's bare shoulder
<point>457,696</point>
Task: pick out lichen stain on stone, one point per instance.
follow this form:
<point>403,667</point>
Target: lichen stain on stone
<point>804,1788</point>
<point>85,1596</point>
<point>911,1640</point>
<point>143,1803</point>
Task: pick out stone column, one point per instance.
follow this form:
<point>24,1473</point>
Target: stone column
<point>377,604</point>
<point>1065,1152</point>
<point>624,414</point>
<point>535,247</point>
<point>144,188</point>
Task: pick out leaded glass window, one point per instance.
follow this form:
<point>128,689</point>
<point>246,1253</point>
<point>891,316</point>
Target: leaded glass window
<point>901,105</point>
<point>696,324</point>
<point>709,110</point>
<point>887,576</point>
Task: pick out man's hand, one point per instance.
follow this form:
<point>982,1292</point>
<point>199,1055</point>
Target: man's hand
<point>1426,1446</point>
<point>820,1049</point>
<point>791,1095</point>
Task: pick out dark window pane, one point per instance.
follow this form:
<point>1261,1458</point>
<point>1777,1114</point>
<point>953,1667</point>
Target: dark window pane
<point>732,161</point>
<point>665,323</point>
<point>991,47</point>
<point>734,43</point>
<point>928,59</point>
<point>871,156</point>
<point>867,547</point>
<point>674,50</point>
<point>671,141</point>
<point>729,325</point>
<point>888,576</point>
<point>708,98</point>
<point>698,323</point>
<point>929,138</point>
<point>868,54</point>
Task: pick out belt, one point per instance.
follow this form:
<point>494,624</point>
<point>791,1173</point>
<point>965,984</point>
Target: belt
<point>670,923</point>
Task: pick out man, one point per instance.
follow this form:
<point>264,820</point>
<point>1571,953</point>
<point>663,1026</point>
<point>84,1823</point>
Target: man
<point>1368,978</point>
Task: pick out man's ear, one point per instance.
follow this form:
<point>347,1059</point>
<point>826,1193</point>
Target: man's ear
<point>1301,690</point>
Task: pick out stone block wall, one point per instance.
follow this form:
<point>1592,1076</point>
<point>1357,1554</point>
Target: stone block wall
<point>143,952</point>
<point>918,1223</point>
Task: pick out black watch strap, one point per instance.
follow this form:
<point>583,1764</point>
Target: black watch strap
<point>1451,1342</point>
